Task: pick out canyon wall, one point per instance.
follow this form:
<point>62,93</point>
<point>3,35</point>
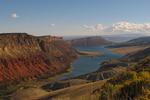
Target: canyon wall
<point>27,57</point>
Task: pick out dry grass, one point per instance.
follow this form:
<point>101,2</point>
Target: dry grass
<point>83,91</point>
<point>28,94</point>
<point>77,92</point>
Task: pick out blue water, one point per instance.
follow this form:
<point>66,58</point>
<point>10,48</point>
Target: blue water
<point>85,64</point>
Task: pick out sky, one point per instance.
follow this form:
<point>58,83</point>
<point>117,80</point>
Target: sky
<point>75,17</point>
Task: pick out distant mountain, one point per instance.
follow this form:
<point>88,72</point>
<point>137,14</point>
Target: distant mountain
<point>89,41</point>
<point>72,37</point>
<point>142,41</point>
<point>121,37</point>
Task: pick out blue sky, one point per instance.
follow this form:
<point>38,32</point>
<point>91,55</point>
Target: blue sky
<point>75,17</point>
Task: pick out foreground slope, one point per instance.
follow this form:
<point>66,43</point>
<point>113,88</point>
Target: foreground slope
<point>131,85</point>
<point>77,92</point>
<point>26,57</point>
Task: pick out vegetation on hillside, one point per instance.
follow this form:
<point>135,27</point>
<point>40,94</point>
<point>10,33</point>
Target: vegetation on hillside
<point>131,85</point>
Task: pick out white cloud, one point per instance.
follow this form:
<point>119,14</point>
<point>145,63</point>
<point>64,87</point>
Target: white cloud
<point>52,25</point>
<point>98,27</point>
<point>14,15</point>
<point>89,28</point>
<point>131,27</point>
<point>122,26</point>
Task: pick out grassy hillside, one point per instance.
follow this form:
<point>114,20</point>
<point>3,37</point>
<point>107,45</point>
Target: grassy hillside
<point>131,85</point>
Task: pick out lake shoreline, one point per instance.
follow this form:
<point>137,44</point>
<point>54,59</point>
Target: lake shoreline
<point>89,53</point>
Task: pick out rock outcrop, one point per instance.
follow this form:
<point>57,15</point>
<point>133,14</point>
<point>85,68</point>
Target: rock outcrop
<point>26,57</point>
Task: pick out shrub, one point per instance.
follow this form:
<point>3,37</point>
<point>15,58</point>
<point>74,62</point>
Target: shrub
<point>144,75</point>
<point>120,79</point>
<point>133,90</point>
<point>107,92</point>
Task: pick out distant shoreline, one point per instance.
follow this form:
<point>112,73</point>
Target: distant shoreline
<point>128,49</point>
<point>89,53</point>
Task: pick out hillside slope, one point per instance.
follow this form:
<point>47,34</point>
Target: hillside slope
<point>26,57</point>
<point>78,92</point>
<point>135,56</point>
<point>131,85</point>
<point>142,41</point>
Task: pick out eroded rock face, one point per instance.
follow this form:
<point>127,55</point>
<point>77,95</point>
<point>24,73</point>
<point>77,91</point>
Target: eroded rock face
<point>24,57</point>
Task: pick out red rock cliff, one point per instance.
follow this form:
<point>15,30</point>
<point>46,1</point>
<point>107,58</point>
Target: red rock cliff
<point>24,57</point>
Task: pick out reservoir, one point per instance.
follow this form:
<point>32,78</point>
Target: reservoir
<point>85,64</point>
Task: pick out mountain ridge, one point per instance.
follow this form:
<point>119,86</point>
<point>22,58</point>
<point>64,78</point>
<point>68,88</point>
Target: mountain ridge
<point>89,41</point>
